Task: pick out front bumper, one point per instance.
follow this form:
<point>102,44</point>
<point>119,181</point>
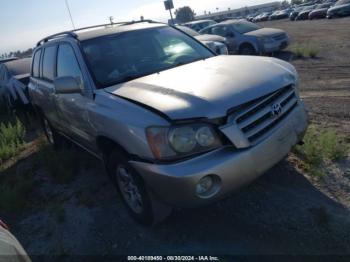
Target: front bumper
<point>175,184</point>
<point>277,45</point>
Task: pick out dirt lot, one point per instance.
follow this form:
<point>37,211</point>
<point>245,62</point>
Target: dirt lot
<point>325,80</point>
<point>284,212</point>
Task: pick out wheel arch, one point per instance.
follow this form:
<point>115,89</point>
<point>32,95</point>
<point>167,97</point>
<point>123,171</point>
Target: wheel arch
<point>106,145</point>
<point>246,43</point>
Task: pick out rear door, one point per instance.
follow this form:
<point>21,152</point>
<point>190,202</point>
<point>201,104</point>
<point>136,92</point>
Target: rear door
<point>44,82</point>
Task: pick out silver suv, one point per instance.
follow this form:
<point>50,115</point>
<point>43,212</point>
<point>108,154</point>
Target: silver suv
<point>175,124</point>
<point>247,38</point>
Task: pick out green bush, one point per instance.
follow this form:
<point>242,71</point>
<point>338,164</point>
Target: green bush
<point>11,139</point>
<point>301,51</point>
<point>321,146</point>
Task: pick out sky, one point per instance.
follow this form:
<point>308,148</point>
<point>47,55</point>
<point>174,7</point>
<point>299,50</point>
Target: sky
<point>25,22</point>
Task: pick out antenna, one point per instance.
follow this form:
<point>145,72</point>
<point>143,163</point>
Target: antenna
<point>111,18</point>
<point>70,15</point>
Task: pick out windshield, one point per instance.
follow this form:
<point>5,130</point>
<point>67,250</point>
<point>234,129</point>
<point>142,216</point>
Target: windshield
<point>343,2</point>
<point>245,27</point>
<point>188,31</point>
<point>126,56</point>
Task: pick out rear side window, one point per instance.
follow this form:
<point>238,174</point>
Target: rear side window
<point>67,64</point>
<point>36,60</point>
<point>49,63</point>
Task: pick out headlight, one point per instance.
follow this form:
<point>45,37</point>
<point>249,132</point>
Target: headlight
<point>178,141</point>
<point>183,139</point>
<point>266,40</point>
<point>217,47</point>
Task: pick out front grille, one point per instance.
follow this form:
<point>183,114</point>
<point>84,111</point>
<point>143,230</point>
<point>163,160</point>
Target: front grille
<point>279,37</point>
<point>257,118</point>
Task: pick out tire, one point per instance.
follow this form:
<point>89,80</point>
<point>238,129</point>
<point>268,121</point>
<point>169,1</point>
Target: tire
<point>247,49</point>
<point>140,203</point>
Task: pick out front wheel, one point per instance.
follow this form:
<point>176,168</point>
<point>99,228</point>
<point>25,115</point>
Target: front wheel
<point>139,201</point>
<point>247,50</point>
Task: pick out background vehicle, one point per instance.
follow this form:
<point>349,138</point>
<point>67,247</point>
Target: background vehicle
<point>262,17</point>
<point>8,59</point>
<point>200,24</point>
<point>293,15</point>
<point>247,38</point>
<point>281,14</point>
<point>320,11</point>
<point>340,9</point>
<point>304,14</point>
<point>14,78</point>
<point>214,42</point>
<point>135,96</point>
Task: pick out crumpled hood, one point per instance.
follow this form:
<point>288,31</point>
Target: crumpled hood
<point>216,38</point>
<point>265,32</point>
<point>207,88</point>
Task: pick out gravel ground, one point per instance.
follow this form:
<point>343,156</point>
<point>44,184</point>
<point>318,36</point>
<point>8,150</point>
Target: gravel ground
<point>283,212</point>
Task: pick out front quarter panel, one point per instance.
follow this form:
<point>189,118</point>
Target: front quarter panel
<point>124,122</point>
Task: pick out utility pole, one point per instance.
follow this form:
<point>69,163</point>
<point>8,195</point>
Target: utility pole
<point>70,15</point>
<point>168,4</point>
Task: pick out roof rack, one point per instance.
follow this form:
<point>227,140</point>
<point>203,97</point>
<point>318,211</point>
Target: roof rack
<point>58,35</point>
<point>74,35</point>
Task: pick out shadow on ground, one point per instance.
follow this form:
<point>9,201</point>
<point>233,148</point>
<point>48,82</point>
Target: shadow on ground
<point>280,213</point>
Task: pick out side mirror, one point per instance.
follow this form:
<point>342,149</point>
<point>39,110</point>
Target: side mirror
<point>67,85</point>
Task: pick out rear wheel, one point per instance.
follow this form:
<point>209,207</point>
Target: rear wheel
<point>247,49</point>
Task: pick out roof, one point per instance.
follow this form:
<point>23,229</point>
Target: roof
<point>232,21</point>
<point>102,30</point>
<point>19,66</point>
<point>114,29</point>
<point>198,21</point>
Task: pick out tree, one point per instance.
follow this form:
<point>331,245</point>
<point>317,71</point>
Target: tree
<point>296,2</point>
<point>184,14</point>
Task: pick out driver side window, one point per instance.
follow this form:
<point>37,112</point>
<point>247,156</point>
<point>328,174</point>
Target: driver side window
<point>67,64</point>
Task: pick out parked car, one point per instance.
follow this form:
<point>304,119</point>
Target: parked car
<point>175,124</point>
<point>14,78</point>
<point>340,9</point>
<point>247,38</point>
<point>215,42</point>
<point>262,17</point>
<point>320,11</point>
<point>280,14</point>
<point>304,14</point>
<point>199,24</point>
<point>293,15</point>
<point>8,59</point>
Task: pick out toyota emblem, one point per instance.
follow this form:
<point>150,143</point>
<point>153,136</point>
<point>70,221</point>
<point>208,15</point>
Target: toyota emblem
<point>276,110</point>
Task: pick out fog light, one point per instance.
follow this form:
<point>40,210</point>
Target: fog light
<point>204,185</point>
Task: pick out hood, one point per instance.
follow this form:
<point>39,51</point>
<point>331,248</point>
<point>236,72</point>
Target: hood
<point>206,37</point>
<point>207,88</point>
<point>265,32</point>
